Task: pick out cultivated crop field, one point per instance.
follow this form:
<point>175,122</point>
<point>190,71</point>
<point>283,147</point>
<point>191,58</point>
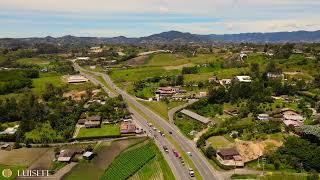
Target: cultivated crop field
<point>129,162</point>
<point>106,153</point>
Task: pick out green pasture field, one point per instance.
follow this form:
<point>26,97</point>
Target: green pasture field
<point>36,61</point>
<point>39,84</point>
<point>104,131</point>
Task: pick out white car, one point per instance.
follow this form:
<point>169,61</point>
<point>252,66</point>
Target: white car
<point>191,172</point>
<point>189,153</point>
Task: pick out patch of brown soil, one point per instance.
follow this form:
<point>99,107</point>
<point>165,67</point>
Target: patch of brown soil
<point>75,95</point>
<point>250,150</point>
<point>140,60</point>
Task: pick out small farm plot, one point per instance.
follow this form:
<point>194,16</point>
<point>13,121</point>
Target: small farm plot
<point>106,130</point>
<point>129,162</point>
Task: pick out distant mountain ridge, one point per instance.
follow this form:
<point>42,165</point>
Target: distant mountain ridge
<point>174,37</point>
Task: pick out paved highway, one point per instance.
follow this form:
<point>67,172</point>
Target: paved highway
<point>179,170</point>
<point>203,166</point>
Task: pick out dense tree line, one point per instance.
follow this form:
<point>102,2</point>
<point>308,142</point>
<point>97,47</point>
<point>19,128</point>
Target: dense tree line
<point>52,119</point>
<point>296,153</point>
<point>14,80</point>
<point>190,70</point>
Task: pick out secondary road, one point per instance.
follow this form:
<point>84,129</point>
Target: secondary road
<point>174,110</point>
<point>201,163</point>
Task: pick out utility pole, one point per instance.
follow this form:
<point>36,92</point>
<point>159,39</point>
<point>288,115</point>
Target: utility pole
<point>263,163</point>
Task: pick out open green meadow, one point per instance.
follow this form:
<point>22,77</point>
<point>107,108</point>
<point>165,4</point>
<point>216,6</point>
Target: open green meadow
<point>2,58</point>
<point>39,84</point>
<point>105,131</point>
<point>166,59</point>
<point>219,142</point>
<point>186,125</point>
<point>34,61</point>
<point>131,75</point>
<point>161,107</point>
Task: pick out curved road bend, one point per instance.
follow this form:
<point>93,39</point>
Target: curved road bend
<point>175,109</point>
<point>204,167</point>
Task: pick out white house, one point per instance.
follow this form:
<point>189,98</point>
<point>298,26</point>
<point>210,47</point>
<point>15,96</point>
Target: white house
<point>77,79</point>
<point>243,78</point>
<point>83,58</point>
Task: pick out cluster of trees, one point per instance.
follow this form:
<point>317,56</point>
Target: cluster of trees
<point>298,154</point>
<point>53,118</point>
<point>284,51</point>
<point>113,110</point>
<point>14,80</point>
<point>140,86</point>
<point>63,67</point>
<point>190,70</point>
<point>38,117</point>
<point>207,109</point>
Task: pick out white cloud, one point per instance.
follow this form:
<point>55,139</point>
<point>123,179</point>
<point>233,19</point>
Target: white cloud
<point>143,17</point>
<point>244,26</point>
<point>150,6</point>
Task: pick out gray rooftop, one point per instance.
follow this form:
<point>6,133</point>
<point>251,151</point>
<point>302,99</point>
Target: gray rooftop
<point>196,116</point>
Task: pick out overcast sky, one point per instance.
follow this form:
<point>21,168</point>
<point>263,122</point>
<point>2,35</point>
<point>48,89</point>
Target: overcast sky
<point>133,18</point>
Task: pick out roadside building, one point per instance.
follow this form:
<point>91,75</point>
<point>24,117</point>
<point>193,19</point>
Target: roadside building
<point>225,82</point>
<point>83,58</point>
<point>166,91</point>
<point>93,122</point>
<point>77,79</point>
<point>88,155</point>
<point>297,51</point>
<point>127,128</point>
<point>228,154</point>
<point>10,130</point>
<point>6,147</point>
<point>263,117</point>
<point>246,79</point>
<point>230,157</point>
<point>202,94</point>
<point>94,50</point>
<point>66,155</point>
<point>196,116</point>
<point>292,118</point>
<point>272,75</point>
<point>81,121</point>
<point>213,79</point>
